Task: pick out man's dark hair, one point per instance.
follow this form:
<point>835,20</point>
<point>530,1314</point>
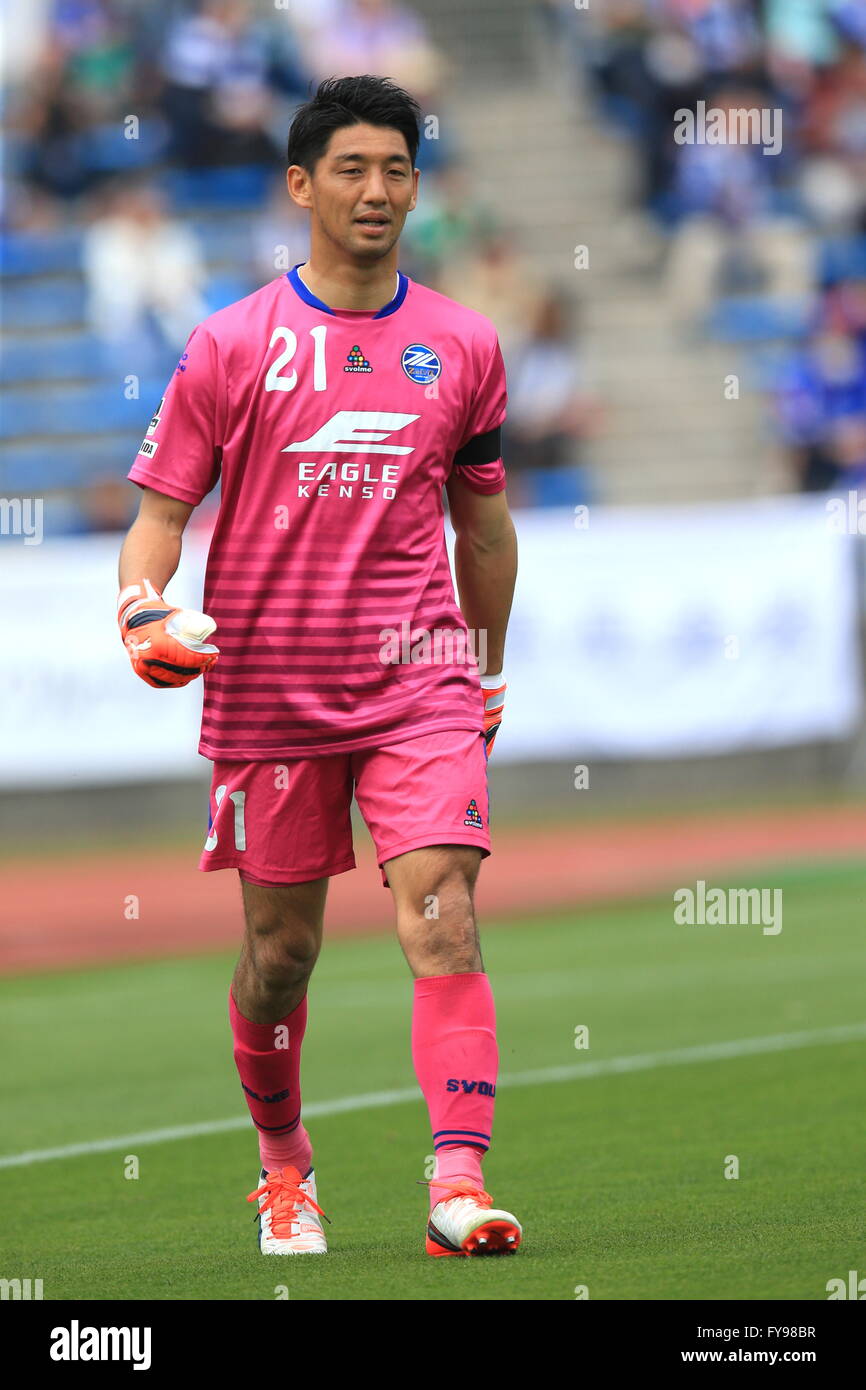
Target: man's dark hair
<point>345,101</point>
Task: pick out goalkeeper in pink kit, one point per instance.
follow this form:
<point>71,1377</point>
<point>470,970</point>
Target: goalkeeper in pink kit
<point>334,405</point>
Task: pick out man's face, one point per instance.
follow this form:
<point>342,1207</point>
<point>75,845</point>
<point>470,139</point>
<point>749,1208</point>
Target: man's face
<point>361,191</point>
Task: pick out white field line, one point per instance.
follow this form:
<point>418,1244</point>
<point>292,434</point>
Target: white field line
<point>374,1100</point>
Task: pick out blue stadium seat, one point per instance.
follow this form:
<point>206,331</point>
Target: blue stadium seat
<point>62,515</point>
<point>222,290</point>
<point>40,253</point>
<point>224,239</point>
<point>753,318</point>
<point>109,151</point>
<point>843,258</point>
<point>52,357</point>
<point>50,303</point>
<point>763,363</point>
<point>28,467</point>
<point>558,487</point>
<point>234,187</point>
<point>68,410</point>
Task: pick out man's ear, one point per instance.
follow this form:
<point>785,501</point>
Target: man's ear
<point>297,186</point>
<point>414,204</point>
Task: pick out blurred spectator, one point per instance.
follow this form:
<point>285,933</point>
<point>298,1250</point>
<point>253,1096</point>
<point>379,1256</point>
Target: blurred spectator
<point>69,116</point>
<point>550,411</point>
<point>382,36</point>
<point>731,236</point>
<point>24,41</point>
<point>220,67</point>
<point>379,36</point>
<point>206,84</point>
<point>801,39</point>
<point>850,19</point>
<point>834,123</point>
<point>144,271</point>
<point>448,223</point>
<point>496,281</point>
<point>820,395</point>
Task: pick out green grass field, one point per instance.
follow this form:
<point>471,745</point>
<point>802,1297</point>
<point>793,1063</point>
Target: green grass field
<point>618,1176</point>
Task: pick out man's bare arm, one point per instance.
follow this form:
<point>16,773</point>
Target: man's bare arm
<point>153,544</point>
<point>485,558</point>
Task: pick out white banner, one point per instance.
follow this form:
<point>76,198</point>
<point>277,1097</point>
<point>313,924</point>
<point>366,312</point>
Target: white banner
<point>681,630</point>
<point>72,711</point>
<point>651,632</point>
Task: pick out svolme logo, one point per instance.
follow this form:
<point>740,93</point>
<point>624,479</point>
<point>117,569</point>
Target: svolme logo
<point>717,125</point>
<point>77,1343</point>
<point>720,907</point>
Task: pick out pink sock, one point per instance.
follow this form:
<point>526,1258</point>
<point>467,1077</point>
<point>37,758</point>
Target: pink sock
<point>271,1078</point>
<point>456,1061</point>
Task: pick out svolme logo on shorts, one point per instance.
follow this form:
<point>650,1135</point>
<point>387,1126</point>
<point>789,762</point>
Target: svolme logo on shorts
<point>77,1343</point>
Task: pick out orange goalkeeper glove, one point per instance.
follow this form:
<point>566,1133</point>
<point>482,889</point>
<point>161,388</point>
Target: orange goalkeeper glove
<point>166,645</point>
<point>493,689</point>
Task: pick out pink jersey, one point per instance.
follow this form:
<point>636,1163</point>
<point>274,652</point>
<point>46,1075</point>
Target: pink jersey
<point>333,432</point>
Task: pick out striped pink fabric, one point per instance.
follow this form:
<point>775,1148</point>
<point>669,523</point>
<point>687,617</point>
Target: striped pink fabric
<point>333,433</point>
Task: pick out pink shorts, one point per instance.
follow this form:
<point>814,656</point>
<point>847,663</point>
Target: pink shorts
<point>289,822</point>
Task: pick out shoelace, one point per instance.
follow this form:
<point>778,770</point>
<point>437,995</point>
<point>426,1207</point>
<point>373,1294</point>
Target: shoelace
<point>463,1188</point>
<point>285,1200</point>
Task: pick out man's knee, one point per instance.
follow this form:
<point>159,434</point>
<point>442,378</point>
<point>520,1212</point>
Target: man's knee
<point>452,899</point>
<point>282,939</point>
<point>436,883</point>
<point>436,919</point>
<point>281,957</point>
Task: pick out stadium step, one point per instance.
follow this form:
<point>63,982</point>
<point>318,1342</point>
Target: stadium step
<point>668,431</point>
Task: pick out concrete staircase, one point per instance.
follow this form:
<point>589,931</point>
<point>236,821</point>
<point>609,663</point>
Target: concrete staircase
<point>541,160</point>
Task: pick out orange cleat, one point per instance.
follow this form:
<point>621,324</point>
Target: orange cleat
<point>465,1222</point>
<point>289,1214</point>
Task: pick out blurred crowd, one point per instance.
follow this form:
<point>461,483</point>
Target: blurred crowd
<point>158,130</point>
<point>146,139</point>
<point>115,85</point>
<point>761,247</point>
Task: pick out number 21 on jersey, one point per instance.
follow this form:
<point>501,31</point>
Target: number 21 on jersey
<point>274,381</point>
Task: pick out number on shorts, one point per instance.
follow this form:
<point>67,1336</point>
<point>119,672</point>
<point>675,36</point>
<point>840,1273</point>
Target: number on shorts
<point>239,799</point>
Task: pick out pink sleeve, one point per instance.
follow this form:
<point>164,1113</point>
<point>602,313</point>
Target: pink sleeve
<point>478,461</point>
<point>181,452</point>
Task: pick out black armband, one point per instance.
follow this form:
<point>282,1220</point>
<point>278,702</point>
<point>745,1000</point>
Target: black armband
<point>482,448</point>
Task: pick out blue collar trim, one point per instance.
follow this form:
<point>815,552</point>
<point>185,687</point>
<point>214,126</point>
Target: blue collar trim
<point>308,297</point>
